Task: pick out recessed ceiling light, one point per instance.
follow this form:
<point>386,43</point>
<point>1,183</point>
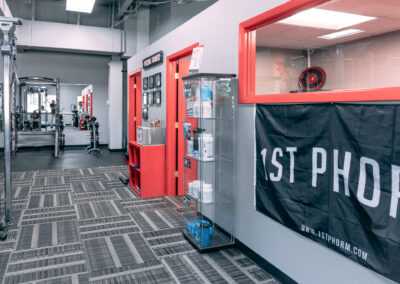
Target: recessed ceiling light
<point>341,34</point>
<point>84,6</point>
<point>325,19</point>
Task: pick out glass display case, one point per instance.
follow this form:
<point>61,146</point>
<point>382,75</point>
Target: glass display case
<point>208,130</point>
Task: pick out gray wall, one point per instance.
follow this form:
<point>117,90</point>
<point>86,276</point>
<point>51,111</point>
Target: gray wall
<point>72,69</point>
<point>302,259</point>
<point>165,18</point>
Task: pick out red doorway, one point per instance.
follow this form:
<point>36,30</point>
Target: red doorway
<point>177,68</point>
<point>135,103</point>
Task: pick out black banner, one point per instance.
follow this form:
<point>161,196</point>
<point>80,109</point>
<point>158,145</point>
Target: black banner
<point>331,173</point>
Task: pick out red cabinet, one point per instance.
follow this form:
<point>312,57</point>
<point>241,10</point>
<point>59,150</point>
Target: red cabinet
<point>147,169</point>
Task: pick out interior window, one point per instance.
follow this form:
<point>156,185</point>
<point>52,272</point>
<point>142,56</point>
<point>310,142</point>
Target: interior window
<point>336,47</point>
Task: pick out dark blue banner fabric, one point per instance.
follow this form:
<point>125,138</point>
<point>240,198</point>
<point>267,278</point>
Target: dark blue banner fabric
<point>331,173</point>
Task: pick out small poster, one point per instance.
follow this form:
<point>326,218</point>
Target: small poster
<point>145,96</point>
<point>150,98</point>
<point>157,80</point>
<point>151,82</point>
<point>145,83</point>
<point>157,97</point>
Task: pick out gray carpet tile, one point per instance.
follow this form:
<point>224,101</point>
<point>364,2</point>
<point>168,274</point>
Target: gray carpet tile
<point>85,226</point>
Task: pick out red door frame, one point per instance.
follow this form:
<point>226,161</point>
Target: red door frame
<point>247,62</point>
<point>134,102</point>
<point>171,118</point>
<point>91,104</point>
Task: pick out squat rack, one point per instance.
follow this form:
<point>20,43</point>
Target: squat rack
<point>20,110</point>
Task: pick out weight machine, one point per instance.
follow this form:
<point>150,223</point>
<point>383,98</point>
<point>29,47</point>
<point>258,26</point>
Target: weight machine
<point>28,129</point>
<point>9,54</point>
<point>94,136</point>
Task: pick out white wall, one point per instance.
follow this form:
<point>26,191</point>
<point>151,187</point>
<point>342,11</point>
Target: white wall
<point>302,259</point>
<point>115,105</point>
<point>46,35</point>
<point>164,18</point>
<point>137,32</point>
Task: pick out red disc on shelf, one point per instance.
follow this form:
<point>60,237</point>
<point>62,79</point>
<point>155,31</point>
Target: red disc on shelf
<point>312,79</point>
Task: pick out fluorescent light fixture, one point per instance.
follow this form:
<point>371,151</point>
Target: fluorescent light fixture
<point>341,34</point>
<point>84,6</point>
<point>325,19</point>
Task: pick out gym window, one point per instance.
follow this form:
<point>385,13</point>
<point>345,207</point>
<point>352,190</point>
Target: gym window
<point>320,51</point>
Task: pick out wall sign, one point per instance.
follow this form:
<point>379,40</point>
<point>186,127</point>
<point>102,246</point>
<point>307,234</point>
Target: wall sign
<point>331,173</point>
<point>153,60</point>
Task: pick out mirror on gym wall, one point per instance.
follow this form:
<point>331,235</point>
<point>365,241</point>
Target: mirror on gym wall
<point>76,105</point>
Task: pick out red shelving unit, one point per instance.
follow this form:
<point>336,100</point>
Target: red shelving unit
<point>147,169</point>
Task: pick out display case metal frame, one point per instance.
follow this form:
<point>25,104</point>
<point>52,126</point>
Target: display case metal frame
<point>218,121</point>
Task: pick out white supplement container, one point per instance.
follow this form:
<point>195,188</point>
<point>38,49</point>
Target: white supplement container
<point>206,147</point>
<point>203,109</point>
<point>196,109</point>
<point>207,193</point>
<point>206,110</point>
<point>194,189</point>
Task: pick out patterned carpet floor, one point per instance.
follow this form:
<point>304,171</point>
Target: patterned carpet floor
<point>85,226</point>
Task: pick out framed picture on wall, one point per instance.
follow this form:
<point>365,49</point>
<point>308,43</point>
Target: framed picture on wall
<point>145,113</point>
<point>157,97</point>
<point>157,80</point>
<point>145,83</point>
<point>145,99</point>
<point>151,82</point>
<point>151,101</point>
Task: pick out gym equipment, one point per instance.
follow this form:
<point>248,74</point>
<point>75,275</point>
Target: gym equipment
<point>75,115</point>
<point>62,135</point>
<point>94,136</point>
<point>9,54</point>
<point>34,132</point>
<point>312,79</point>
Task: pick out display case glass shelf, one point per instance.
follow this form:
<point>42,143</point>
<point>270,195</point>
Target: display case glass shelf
<point>209,160</point>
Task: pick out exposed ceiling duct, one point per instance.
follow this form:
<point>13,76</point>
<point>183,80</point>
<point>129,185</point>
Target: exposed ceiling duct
<point>5,9</point>
<point>127,8</point>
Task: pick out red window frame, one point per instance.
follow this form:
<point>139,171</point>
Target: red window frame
<point>247,65</point>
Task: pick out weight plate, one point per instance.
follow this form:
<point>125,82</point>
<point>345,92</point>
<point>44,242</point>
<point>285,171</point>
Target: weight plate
<point>312,79</point>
